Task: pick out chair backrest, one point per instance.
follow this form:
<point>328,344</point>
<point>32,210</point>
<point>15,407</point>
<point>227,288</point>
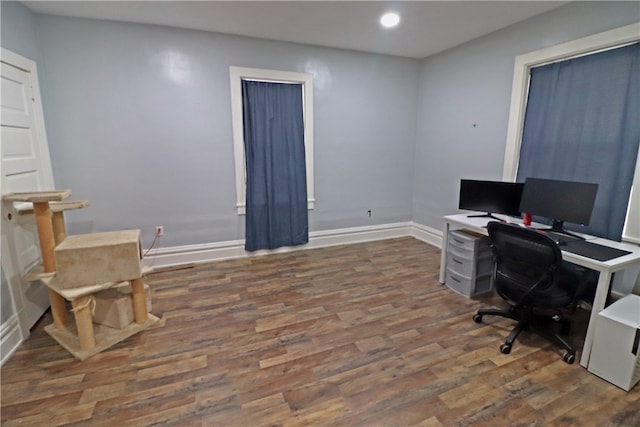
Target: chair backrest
<point>527,262</point>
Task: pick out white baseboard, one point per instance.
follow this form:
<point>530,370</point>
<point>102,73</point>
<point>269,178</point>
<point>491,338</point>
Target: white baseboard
<point>427,234</point>
<point>11,338</point>
<point>210,252</point>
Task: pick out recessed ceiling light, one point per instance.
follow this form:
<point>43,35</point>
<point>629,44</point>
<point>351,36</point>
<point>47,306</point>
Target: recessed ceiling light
<point>390,19</point>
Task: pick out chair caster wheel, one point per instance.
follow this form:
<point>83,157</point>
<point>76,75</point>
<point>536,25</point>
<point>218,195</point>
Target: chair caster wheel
<point>505,348</point>
<point>477,318</point>
<point>569,358</point>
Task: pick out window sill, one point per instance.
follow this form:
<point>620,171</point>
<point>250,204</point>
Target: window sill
<point>241,207</point>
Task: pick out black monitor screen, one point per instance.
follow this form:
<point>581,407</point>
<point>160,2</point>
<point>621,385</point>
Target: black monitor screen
<point>559,200</point>
<point>490,196</point>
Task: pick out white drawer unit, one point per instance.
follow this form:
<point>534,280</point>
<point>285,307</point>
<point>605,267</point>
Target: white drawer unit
<point>469,263</point>
<point>615,355</point>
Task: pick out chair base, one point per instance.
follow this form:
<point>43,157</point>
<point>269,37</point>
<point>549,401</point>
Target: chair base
<point>538,324</point>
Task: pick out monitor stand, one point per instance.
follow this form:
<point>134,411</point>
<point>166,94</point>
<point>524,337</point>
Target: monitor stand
<point>486,215</point>
<point>558,227</point>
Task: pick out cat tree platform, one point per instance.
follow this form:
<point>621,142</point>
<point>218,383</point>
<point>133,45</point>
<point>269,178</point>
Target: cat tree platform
<point>84,339</point>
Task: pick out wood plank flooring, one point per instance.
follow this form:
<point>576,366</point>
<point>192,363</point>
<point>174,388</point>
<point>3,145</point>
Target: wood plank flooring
<point>358,335</point>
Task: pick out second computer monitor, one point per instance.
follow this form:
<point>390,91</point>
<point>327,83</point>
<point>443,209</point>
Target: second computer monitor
<point>560,201</point>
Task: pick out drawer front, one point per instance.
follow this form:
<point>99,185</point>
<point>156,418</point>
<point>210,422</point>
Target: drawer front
<point>467,286</point>
<point>458,283</point>
<point>461,265</point>
<point>466,242</point>
<point>469,264</point>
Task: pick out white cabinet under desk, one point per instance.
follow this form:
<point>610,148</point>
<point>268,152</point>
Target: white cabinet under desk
<point>616,354</point>
<point>604,268</point>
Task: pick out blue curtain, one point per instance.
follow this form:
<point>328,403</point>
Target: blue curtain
<point>276,203</point>
<point>582,123</point>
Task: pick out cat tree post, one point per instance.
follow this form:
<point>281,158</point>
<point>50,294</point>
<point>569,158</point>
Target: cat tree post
<point>44,224</point>
<point>139,300</point>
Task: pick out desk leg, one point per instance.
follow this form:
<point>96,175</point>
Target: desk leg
<point>84,322</point>
<point>139,300</point>
<point>602,293</point>
<point>443,254</point>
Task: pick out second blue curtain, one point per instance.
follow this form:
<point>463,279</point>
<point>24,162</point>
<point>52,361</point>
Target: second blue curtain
<point>582,123</point>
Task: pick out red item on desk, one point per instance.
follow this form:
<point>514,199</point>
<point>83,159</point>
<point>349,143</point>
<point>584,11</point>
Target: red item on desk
<point>526,219</point>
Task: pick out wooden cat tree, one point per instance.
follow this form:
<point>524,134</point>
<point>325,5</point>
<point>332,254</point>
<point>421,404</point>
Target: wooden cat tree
<point>76,267</point>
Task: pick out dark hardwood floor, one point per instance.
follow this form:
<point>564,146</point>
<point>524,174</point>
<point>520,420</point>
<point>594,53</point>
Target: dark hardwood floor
<point>358,335</point>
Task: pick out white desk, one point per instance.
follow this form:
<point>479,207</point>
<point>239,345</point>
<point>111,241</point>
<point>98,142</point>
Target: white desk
<point>605,268</point>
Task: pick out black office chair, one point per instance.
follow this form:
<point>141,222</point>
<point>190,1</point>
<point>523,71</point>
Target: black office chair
<point>529,274</point>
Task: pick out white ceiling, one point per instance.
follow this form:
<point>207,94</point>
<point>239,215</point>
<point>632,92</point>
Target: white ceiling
<point>426,27</point>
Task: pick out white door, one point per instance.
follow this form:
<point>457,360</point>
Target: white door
<point>24,166</point>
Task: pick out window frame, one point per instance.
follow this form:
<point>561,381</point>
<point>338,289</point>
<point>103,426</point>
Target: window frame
<point>617,37</point>
<point>237,74</point>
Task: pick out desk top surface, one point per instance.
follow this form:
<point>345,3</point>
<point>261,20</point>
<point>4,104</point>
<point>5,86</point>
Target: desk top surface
<point>480,225</point>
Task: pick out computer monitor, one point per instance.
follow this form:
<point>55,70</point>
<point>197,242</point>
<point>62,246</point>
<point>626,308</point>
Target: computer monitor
<point>559,201</point>
<point>492,197</point>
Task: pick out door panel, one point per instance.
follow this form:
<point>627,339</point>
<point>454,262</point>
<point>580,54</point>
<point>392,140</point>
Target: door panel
<point>23,235</point>
<point>15,103</point>
<point>24,166</point>
<point>17,143</point>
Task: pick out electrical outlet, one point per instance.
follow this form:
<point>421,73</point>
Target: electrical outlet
<point>159,230</point>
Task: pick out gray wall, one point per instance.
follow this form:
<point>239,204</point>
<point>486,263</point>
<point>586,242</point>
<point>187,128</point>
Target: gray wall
<point>139,123</point>
<point>464,100</point>
<point>17,32</point>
